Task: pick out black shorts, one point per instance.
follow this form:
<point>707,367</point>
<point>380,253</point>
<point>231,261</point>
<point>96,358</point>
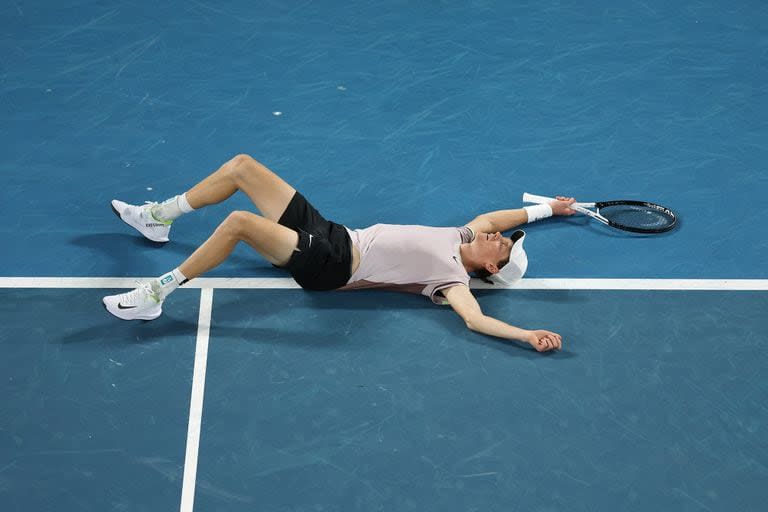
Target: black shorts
<point>323,259</point>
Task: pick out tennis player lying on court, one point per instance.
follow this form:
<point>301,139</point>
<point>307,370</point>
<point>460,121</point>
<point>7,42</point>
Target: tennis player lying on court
<point>322,255</point>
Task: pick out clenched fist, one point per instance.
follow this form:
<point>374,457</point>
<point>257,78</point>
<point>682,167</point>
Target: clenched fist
<point>562,205</point>
<point>544,341</point>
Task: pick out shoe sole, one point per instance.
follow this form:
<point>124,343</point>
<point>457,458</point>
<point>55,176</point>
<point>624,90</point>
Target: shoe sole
<point>146,319</point>
<point>114,210</point>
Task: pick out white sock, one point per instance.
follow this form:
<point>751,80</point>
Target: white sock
<point>170,281</point>
<point>173,208</point>
<point>184,204</point>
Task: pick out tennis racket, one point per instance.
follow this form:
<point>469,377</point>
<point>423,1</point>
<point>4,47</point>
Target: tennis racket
<point>634,216</point>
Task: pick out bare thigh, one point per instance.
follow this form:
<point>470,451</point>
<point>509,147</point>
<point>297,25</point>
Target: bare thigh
<point>268,191</point>
<point>273,241</point>
<point>270,239</point>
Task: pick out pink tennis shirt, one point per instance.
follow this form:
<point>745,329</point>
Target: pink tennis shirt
<point>414,259</point>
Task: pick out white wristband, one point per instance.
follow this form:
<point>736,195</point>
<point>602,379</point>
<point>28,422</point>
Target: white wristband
<point>538,212</point>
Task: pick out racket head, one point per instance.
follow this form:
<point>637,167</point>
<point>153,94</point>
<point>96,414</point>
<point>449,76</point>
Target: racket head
<point>637,216</point>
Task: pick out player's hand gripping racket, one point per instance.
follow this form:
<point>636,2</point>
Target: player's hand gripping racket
<point>634,216</point>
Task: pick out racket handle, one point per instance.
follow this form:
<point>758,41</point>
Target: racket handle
<point>530,198</point>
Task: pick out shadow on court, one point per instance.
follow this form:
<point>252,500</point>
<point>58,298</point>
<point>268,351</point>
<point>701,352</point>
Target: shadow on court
<point>328,320</point>
<point>127,252</point>
<point>556,224</point>
<point>342,319</point>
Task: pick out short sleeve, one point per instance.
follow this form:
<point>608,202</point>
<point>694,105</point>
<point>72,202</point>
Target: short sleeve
<point>467,235</point>
<point>455,276</point>
<point>434,291</point>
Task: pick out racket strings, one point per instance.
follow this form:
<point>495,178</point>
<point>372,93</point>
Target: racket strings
<point>636,216</point>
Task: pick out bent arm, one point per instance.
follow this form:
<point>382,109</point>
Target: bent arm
<point>500,220</point>
<point>466,306</point>
<point>504,220</point>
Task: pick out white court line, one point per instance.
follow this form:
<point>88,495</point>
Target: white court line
<point>288,283</point>
<point>632,284</point>
<point>196,400</point>
<point>206,305</point>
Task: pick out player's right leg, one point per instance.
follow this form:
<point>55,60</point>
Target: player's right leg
<point>275,242</point>
<point>270,193</point>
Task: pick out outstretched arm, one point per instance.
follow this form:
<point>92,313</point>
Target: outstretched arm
<point>464,303</point>
<point>504,220</point>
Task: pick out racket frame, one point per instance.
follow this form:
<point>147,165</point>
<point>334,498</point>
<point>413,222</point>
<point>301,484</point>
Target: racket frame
<point>583,208</point>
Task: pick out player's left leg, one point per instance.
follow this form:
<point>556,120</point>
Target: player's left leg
<point>268,191</point>
<point>273,241</point>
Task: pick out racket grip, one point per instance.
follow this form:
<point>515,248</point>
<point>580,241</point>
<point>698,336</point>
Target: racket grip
<point>530,198</point>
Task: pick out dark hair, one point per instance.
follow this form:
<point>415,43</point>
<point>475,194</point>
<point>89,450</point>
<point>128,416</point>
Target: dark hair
<point>483,273</point>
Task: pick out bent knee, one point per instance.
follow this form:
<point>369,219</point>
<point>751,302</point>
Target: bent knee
<point>246,163</point>
<point>242,159</point>
<point>236,223</point>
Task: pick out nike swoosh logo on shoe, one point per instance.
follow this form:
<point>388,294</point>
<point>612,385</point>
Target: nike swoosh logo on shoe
<point>120,306</point>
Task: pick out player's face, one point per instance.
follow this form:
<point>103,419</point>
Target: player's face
<point>494,247</point>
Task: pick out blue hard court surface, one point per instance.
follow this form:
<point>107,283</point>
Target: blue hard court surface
<point>400,112</point>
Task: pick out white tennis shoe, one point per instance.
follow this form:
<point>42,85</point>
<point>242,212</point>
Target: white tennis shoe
<point>142,303</point>
<point>141,219</point>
